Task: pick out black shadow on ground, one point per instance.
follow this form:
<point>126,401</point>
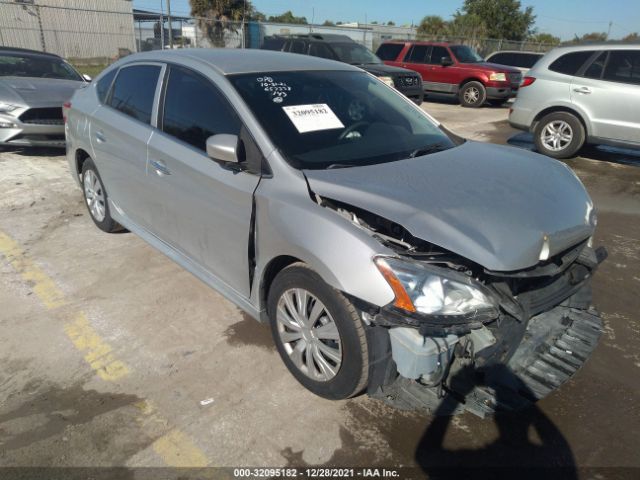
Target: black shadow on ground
<point>513,451</point>
<point>624,156</point>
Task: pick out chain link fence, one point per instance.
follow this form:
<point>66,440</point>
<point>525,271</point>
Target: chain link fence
<point>97,32</point>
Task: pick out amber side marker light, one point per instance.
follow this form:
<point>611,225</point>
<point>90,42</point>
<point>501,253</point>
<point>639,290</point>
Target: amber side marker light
<point>402,298</point>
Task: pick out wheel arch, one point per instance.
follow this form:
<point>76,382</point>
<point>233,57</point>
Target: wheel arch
<point>269,273</point>
<point>561,108</point>
<point>81,156</point>
<point>471,79</point>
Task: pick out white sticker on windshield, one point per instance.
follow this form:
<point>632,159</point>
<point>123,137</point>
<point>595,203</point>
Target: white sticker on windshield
<point>312,118</point>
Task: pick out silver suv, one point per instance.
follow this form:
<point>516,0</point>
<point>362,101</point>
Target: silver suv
<point>386,253</point>
<point>581,94</point>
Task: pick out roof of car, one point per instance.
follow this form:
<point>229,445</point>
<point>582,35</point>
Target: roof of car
<point>601,46</point>
<point>232,60</point>
<point>26,50</point>
<point>528,52</point>
<point>420,42</point>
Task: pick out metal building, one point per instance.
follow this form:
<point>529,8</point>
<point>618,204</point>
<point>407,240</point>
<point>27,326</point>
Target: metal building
<point>75,29</point>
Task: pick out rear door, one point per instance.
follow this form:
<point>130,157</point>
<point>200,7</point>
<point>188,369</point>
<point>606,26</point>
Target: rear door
<point>119,132</point>
<point>201,207</point>
<point>608,90</point>
<point>416,59</point>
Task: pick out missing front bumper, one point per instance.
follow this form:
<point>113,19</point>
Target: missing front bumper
<point>554,346</point>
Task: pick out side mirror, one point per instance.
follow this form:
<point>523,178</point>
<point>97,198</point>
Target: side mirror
<point>446,61</point>
<point>223,147</point>
<point>87,78</point>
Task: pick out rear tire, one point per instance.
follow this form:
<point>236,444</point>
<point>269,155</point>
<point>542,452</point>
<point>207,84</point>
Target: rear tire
<point>96,198</point>
<point>559,135</point>
<point>327,351</point>
<point>472,95</point>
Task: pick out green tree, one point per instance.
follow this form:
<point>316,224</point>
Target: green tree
<point>216,16</point>
<point>632,37</point>
<point>467,25</point>
<point>502,18</point>
<point>391,23</point>
<point>545,38</point>
<point>288,17</point>
<point>432,25</point>
<point>328,23</point>
<point>374,22</point>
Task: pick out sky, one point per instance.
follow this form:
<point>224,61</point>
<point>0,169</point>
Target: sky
<point>562,18</point>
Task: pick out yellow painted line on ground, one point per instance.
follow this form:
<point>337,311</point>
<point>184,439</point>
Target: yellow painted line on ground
<point>98,354</point>
<point>43,286</point>
<point>175,447</point>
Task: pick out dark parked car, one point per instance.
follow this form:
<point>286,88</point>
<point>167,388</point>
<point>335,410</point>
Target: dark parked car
<point>344,49</point>
<point>33,88</point>
<point>454,69</point>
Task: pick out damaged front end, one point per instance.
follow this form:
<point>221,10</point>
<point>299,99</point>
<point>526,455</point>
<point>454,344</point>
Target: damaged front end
<point>460,337</point>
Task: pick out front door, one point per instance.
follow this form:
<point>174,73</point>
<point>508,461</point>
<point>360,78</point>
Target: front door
<point>609,92</point>
<point>200,206</point>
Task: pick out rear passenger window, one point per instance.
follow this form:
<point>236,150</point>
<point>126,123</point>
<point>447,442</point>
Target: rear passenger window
<point>417,54</point>
<point>321,50</point>
<point>570,63</point>
<point>133,91</point>
<point>501,59</point>
<point>389,51</point>
<point>597,66</point>
<point>623,66</point>
<point>104,84</point>
<point>298,46</point>
<point>194,109</point>
<point>436,55</point>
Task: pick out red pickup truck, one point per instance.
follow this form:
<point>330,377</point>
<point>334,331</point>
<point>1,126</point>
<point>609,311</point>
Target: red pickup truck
<point>454,69</point>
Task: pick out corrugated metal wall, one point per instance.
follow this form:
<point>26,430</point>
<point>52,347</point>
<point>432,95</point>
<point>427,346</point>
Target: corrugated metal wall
<point>80,29</point>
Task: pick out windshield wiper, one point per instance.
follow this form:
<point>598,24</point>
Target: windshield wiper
<point>436,147</point>
<point>340,165</point>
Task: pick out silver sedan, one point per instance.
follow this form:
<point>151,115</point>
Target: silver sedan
<point>387,254</point>
<point>33,89</point>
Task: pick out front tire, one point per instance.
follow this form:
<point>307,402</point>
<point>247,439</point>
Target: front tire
<point>318,334</point>
<point>559,135</point>
<point>472,95</point>
<point>96,199</point>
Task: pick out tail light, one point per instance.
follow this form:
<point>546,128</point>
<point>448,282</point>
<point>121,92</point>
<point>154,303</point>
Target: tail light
<point>65,106</point>
<point>526,81</point>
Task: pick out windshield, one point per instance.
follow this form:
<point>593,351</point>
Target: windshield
<point>354,54</point>
<point>328,119</point>
<point>40,66</point>
<point>466,54</point>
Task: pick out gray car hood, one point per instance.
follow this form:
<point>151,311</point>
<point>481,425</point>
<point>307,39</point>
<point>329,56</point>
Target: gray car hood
<point>497,206</point>
<point>30,91</point>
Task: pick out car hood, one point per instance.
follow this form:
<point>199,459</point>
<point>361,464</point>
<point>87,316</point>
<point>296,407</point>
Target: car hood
<point>382,69</point>
<point>37,91</point>
<point>497,206</point>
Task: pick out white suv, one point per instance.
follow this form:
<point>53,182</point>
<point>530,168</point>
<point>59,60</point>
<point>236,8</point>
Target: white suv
<point>581,94</point>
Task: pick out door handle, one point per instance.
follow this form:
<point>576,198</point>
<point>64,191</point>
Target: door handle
<point>584,90</point>
<point>160,168</point>
<point>100,137</point>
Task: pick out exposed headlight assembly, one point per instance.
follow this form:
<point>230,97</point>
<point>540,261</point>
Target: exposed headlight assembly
<point>498,77</point>
<point>430,290</point>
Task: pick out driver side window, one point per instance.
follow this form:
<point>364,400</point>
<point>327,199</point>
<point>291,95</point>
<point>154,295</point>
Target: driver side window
<point>194,109</point>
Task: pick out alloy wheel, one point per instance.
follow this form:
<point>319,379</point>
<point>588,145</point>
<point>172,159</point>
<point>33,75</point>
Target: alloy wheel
<point>471,95</point>
<point>556,135</point>
<point>94,195</point>
<point>309,334</point>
